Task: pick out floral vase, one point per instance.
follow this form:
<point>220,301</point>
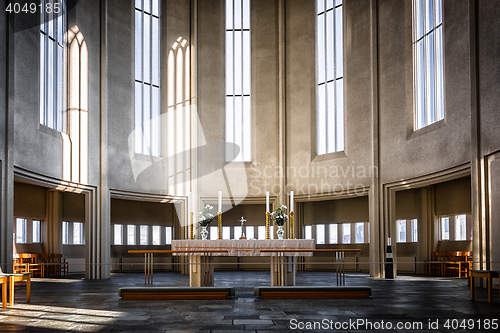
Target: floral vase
<point>280,232</point>
<point>204,233</point>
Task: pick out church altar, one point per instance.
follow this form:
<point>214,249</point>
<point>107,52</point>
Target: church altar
<point>283,264</point>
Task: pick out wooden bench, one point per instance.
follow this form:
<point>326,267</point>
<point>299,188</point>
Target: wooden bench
<point>312,292</point>
<point>488,275</point>
<point>159,293</point>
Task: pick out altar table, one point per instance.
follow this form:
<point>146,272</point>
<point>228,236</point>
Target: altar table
<point>283,255</point>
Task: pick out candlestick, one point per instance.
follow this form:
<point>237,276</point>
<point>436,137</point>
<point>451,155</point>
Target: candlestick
<point>191,226</point>
<point>267,225</point>
<point>291,226</point>
<point>220,201</point>
<point>219,224</point>
<point>291,201</point>
<point>267,201</point>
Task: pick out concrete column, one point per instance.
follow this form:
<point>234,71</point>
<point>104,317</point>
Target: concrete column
<point>375,195</point>
<point>7,140</point>
<point>54,222</point>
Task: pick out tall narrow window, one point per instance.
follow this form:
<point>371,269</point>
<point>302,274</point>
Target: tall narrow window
<point>460,228</point>
<point>78,233</point>
<point>414,230</point>
<point>237,232</point>
<point>147,77</point>
<point>156,235</point>
<point>21,232</point>
<point>143,233</point>
<point>118,234</point>
<point>445,228</point>
<point>329,77</point>
<point>401,231</point>
<point>65,233</point>
<point>250,232</point>
<point>130,234</point>
<point>428,62</point>
<point>238,113</point>
<point>346,233</point>
<point>214,233</point>
<point>52,60</point>
<point>333,234</point>
<point>36,231</point>
<point>261,230</point>
<point>359,232</point>
<point>308,232</point>
<point>226,232</point>
<point>168,235</point>
<point>320,234</point>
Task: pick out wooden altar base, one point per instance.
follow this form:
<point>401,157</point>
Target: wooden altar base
<point>312,292</point>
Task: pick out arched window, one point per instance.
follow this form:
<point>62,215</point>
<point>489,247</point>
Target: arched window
<point>147,77</point>
<point>428,62</point>
<point>329,77</point>
<point>238,111</point>
<point>76,148</point>
<point>52,63</point>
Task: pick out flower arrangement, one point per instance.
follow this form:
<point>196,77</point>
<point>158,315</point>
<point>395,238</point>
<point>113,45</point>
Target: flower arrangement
<point>205,217</point>
<point>279,215</point>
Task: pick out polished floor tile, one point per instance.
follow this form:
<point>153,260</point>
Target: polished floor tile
<point>77,305</point>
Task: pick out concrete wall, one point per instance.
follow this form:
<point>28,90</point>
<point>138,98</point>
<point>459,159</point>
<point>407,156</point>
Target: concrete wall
<point>379,135</point>
<point>406,153</point>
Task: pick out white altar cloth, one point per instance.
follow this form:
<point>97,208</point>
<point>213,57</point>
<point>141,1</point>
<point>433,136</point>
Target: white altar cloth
<point>247,248</point>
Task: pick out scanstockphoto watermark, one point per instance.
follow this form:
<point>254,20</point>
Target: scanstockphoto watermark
<point>368,324</point>
<point>312,179</point>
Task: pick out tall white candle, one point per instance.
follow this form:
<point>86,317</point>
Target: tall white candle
<point>190,202</point>
<point>220,201</point>
<point>291,201</point>
<point>267,201</point>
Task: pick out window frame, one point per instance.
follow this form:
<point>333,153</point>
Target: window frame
<point>147,140</point>
<point>69,233</point>
<point>330,136</point>
<point>422,117</point>
<point>115,227</point>
<point>234,90</point>
<point>52,78</point>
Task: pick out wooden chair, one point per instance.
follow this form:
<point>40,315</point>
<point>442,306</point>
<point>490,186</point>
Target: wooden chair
<point>435,266</point>
<point>62,267</point>
<point>488,275</point>
<point>458,263</point>
<point>13,278</point>
<point>53,265</point>
<point>4,279</point>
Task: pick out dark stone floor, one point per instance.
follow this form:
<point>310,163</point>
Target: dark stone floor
<point>75,304</point>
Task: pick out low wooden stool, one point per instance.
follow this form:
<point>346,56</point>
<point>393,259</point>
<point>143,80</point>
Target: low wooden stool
<point>488,275</point>
<point>4,279</point>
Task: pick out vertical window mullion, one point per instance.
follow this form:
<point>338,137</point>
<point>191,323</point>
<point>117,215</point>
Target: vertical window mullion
<point>233,35</point>
<point>242,136</point>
